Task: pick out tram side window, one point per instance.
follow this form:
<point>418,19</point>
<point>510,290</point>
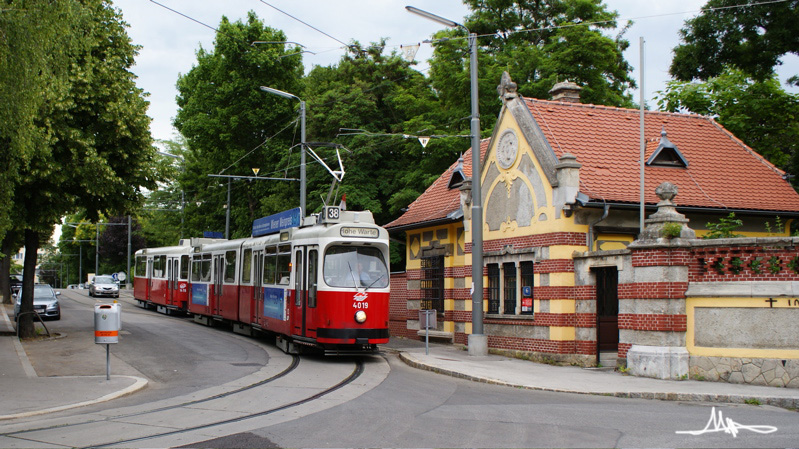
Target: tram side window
<point>184,268</point>
<point>141,267</point>
<point>230,267</point>
<point>270,265</point>
<point>283,264</point>
<point>246,266</point>
<point>159,267</point>
<point>201,268</point>
<point>205,273</point>
<point>195,268</point>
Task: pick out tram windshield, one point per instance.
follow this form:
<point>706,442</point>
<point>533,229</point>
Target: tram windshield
<point>355,266</point>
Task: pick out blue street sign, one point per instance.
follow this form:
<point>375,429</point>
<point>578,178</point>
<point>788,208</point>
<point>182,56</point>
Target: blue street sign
<point>277,222</point>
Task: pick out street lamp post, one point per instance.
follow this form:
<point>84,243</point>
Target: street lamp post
<point>280,93</point>
<point>478,342</point>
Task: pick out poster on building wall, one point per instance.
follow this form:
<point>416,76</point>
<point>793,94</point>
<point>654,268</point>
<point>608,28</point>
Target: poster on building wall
<point>527,299</point>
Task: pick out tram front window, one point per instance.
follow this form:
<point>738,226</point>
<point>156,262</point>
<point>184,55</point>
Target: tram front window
<point>352,266</point>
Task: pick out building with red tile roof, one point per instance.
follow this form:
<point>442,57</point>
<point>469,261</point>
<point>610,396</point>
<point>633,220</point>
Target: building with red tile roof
<point>558,179</point>
<point>715,171</point>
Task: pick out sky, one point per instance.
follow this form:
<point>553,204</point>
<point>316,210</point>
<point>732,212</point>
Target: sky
<point>170,38</point>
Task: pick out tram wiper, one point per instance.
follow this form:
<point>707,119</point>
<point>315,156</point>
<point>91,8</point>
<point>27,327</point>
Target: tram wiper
<point>352,274</point>
<point>375,281</point>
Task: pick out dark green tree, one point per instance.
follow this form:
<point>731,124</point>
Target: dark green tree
<point>76,246</point>
<point>114,244</point>
<point>751,37</point>
<point>384,96</point>
<point>231,126</point>
<point>539,43</point>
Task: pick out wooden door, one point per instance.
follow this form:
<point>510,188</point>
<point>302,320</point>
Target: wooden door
<point>607,308</point>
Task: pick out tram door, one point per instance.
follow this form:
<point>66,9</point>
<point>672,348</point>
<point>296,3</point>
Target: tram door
<point>258,287</point>
<point>172,273</point>
<point>215,296</point>
<point>304,315</point>
<point>149,279</point>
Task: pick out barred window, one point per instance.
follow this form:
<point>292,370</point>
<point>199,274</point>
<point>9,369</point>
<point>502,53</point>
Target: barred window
<point>493,288</point>
<point>509,288</point>
<point>432,283</point>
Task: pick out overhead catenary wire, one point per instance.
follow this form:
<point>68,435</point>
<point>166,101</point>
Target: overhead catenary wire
<point>293,122</point>
<point>509,32</point>
<point>305,23</point>
<point>363,132</point>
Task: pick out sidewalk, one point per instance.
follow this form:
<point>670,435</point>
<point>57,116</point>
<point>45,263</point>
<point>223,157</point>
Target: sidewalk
<point>23,393</point>
<point>500,370</point>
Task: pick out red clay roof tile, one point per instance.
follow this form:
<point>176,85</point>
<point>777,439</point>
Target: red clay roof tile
<point>722,171</point>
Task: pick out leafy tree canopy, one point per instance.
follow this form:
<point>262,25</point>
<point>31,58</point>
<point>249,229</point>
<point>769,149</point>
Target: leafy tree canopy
<point>387,99</point>
<point>752,38</point>
<point>98,152</point>
<point>36,37</point>
<point>760,113</point>
<point>231,126</point>
<point>539,43</point>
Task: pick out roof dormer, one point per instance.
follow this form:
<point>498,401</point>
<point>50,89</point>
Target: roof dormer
<point>667,154</point>
<point>457,177</point>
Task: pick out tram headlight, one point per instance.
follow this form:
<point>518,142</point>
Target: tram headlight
<point>360,316</point>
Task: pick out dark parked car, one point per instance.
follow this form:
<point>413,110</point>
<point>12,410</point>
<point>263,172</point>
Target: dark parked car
<point>45,302</point>
<point>15,282</point>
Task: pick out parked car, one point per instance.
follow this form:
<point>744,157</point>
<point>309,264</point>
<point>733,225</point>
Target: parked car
<point>15,282</point>
<point>45,302</point>
<point>104,285</point>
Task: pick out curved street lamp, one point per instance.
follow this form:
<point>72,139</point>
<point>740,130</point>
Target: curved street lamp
<point>280,93</point>
<point>478,343</point>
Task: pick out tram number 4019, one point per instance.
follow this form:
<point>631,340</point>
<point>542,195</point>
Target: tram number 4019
<point>360,305</point>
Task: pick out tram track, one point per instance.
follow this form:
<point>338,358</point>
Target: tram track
<point>357,371</point>
<point>293,366</point>
<point>43,437</point>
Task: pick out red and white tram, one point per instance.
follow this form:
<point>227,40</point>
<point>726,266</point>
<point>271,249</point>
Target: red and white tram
<point>161,276</point>
<point>324,284</point>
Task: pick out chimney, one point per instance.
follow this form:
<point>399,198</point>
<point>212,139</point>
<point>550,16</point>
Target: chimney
<point>566,91</point>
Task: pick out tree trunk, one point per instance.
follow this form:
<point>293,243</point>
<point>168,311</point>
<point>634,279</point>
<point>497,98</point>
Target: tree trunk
<point>26,320</point>
<point>5,271</point>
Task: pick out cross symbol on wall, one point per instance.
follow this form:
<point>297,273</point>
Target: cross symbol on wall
<point>771,302</point>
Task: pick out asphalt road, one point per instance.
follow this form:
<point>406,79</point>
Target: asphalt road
<point>205,392</point>
<point>413,408</point>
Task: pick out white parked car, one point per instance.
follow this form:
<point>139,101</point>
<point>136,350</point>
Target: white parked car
<point>104,286</point>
